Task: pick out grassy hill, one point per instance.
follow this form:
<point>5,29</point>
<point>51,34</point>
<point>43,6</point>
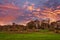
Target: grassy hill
<point>30,36</point>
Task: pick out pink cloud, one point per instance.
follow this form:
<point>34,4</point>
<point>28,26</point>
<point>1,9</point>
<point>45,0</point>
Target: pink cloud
<point>10,6</point>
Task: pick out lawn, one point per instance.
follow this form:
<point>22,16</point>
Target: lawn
<point>30,36</point>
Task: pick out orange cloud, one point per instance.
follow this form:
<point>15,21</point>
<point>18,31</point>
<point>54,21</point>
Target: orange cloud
<point>30,8</point>
<point>47,13</point>
<point>9,13</point>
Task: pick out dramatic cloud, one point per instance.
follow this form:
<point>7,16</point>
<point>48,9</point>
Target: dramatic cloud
<point>23,11</point>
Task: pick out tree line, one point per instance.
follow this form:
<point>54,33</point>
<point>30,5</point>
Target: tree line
<point>34,25</point>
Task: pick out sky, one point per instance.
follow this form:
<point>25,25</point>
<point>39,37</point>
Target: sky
<point>23,11</point>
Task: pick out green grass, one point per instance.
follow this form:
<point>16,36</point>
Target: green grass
<point>30,36</point>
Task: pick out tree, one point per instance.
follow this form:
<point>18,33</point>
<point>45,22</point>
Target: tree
<point>37,24</point>
<point>30,24</point>
<point>45,24</point>
<point>58,26</point>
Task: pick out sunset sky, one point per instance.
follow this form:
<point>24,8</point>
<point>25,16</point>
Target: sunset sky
<point>23,11</point>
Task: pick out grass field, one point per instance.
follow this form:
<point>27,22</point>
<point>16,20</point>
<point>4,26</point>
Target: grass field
<point>30,36</point>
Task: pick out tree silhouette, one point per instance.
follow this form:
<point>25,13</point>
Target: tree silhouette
<point>30,25</point>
